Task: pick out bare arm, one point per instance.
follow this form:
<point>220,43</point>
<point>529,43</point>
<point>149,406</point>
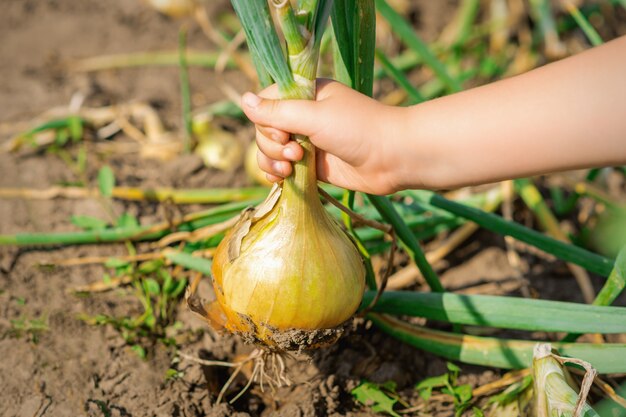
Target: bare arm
<point>566,115</point>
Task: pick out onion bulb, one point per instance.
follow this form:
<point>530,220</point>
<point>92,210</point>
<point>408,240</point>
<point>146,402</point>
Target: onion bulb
<point>252,167</point>
<point>287,275</point>
<point>217,147</point>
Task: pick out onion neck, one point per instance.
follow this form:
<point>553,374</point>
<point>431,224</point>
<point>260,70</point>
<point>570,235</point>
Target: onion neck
<point>303,53</point>
<point>302,184</point>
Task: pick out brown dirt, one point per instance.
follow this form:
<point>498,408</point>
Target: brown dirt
<point>73,368</point>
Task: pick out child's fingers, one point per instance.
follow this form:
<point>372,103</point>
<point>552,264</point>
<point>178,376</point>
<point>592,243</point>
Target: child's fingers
<point>273,178</point>
<point>273,134</point>
<point>273,167</point>
<point>297,116</point>
<point>291,151</point>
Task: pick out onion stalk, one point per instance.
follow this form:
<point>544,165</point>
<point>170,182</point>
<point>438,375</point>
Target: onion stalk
<point>287,276</point>
<point>555,395</point>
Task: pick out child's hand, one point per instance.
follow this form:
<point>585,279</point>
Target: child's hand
<point>565,115</point>
<point>351,132</point>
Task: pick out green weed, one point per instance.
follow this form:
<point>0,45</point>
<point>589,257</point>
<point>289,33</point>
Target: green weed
<point>29,327</point>
<point>158,294</point>
<point>380,398</point>
<point>447,384</point>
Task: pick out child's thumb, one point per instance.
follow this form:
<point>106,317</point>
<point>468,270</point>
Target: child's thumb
<point>293,116</point>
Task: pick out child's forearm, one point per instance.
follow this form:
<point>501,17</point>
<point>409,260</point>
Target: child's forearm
<point>567,115</point>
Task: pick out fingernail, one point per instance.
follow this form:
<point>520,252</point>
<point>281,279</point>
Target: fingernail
<point>251,100</point>
<point>278,167</point>
<point>289,154</point>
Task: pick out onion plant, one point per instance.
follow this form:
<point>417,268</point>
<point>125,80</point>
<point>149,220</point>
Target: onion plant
<point>287,276</point>
<point>353,26</point>
<point>327,296</point>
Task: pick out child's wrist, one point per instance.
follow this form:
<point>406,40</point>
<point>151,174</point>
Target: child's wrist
<point>417,163</point>
<point>399,164</point>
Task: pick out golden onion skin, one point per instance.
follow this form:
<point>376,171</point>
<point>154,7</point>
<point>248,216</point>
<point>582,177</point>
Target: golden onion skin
<point>296,271</point>
<point>252,167</point>
<point>174,8</point>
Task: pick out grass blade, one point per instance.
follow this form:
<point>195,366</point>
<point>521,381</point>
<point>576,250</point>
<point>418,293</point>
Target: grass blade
<point>615,283</point>
<point>498,353</point>
<point>189,261</point>
<point>106,181</point>
<point>408,36</point>
<point>370,275</point>
<point>354,26</point>
<point>502,312</point>
<point>399,78</point>
<point>191,195</point>
<point>320,19</point>
<point>570,253</point>
<point>608,407</point>
<point>340,70</point>
<point>364,44</point>
<point>533,199</point>
<point>541,13</point>
<point>185,90</point>
<point>143,59</point>
<point>120,234</point>
<point>463,23</point>
<point>174,195</point>
<point>584,24</point>
<point>265,79</point>
<point>342,16</point>
<point>612,288</point>
<point>263,40</point>
<point>391,216</point>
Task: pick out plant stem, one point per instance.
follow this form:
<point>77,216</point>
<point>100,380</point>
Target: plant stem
<point>370,275</point>
<point>398,76</point>
<point>615,283</point>
<point>570,253</point>
<point>389,213</point>
<point>541,13</point>
<point>176,196</point>
<point>583,23</point>
<point>464,20</point>
<point>143,59</point>
<point>184,88</point>
<point>291,27</point>
<point>613,287</point>
<point>264,44</point>
<point>501,312</point>
<point>191,196</point>
<point>533,199</point>
<point>364,44</point>
<point>408,36</point>
<point>119,234</point>
<point>302,184</point>
<point>499,353</point>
